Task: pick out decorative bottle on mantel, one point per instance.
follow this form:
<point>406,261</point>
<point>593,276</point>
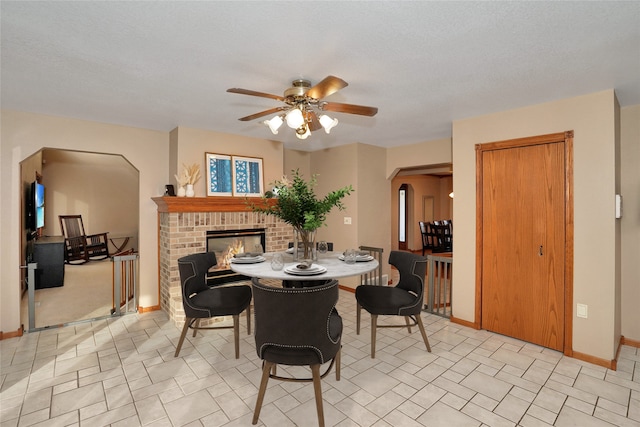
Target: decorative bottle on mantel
<point>181,191</point>
<point>190,192</point>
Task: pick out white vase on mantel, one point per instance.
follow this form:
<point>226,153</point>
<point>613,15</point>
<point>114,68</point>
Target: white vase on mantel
<point>190,192</point>
<point>181,191</point>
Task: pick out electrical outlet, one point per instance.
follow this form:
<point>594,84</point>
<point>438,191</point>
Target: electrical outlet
<point>347,220</point>
<point>582,311</point>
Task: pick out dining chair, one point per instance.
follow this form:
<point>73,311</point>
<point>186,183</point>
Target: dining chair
<point>297,327</point>
<point>201,301</point>
<point>404,299</point>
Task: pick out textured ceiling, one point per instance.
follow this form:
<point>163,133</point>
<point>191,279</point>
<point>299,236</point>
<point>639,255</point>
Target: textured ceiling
<point>158,65</point>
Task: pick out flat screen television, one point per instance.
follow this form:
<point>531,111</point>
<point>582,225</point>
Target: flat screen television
<point>35,207</point>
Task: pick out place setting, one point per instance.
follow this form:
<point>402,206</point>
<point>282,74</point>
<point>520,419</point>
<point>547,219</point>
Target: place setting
<point>351,256</point>
<point>304,269</point>
<point>248,258</point>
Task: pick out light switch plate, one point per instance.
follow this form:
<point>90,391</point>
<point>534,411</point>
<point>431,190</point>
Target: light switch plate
<point>582,311</point>
<point>347,220</point>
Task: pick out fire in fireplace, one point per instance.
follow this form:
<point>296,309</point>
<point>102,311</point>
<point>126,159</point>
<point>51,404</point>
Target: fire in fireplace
<point>225,244</point>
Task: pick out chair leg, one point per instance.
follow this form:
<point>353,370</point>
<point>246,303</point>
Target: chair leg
<point>423,332</point>
<point>407,320</point>
<point>236,334</point>
<point>374,324</point>
<point>358,310</point>
<point>317,387</point>
<point>185,328</point>
<point>338,360</point>
<point>263,388</point>
<point>195,327</point>
<point>249,320</point>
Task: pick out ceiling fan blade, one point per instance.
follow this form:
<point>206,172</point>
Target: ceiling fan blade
<point>326,87</point>
<point>254,93</point>
<point>262,114</point>
<point>348,108</point>
<point>312,120</point>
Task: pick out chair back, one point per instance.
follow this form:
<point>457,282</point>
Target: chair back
<point>297,326</point>
<point>71,226</point>
<point>412,269</point>
<point>373,277</point>
<point>193,273</point>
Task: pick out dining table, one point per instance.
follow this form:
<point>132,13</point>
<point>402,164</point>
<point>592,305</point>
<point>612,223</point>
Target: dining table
<point>329,265</point>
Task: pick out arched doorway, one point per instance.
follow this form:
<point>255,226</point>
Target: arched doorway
<point>104,189</point>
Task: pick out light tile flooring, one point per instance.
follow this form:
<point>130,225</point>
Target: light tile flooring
<point>122,372</point>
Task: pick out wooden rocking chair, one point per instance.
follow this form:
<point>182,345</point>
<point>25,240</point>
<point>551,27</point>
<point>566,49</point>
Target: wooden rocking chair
<point>78,245</point>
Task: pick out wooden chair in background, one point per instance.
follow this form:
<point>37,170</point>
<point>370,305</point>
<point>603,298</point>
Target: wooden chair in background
<point>80,246</point>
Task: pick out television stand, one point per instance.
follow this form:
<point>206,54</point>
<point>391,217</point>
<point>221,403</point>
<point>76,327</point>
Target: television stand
<point>48,252</point>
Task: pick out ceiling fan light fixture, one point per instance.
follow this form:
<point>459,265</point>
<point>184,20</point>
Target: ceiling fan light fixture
<point>294,118</point>
<point>327,122</point>
<point>274,124</point>
<point>303,131</point>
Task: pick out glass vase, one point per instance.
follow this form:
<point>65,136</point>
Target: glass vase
<point>304,244</point>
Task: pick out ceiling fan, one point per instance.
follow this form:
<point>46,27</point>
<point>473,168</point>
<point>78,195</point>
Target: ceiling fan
<point>304,106</point>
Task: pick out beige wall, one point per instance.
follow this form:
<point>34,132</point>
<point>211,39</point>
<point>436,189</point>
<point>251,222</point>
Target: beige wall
<point>592,118</point>
<point>103,188</point>
<point>192,144</point>
<point>374,197</point>
<point>24,134</point>
<point>630,221</point>
<point>294,159</point>
<point>434,152</point>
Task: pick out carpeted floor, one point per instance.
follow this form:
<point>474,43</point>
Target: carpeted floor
<point>86,294</point>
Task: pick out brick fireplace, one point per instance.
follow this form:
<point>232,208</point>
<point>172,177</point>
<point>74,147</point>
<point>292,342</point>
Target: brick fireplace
<point>183,223</point>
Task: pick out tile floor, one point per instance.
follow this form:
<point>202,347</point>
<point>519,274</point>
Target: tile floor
<point>121,372</point>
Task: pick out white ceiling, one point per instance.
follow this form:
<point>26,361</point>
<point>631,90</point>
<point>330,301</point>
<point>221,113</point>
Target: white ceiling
<point>158,65</point>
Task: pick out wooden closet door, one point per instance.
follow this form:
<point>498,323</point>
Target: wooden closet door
<point>523,228</point>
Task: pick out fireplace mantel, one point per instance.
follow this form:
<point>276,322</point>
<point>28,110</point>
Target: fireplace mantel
<point>206,204</point>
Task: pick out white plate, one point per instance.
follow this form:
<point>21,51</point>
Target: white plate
<point>359,258</point>
<point>248,260</point>
<point>312,271</point>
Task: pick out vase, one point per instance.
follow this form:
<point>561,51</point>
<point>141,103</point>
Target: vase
<point>304,244</point>
<point>190,192</point>
<point>181,191</point>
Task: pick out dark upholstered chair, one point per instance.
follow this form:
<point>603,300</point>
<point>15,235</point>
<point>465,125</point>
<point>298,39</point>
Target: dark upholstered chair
<point>80,246</point>
<point>297,327</point>
<point>405,299</point>
<point>202,302</point>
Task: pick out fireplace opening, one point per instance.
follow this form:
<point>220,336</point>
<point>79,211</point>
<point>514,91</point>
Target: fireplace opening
<point>225,244</point>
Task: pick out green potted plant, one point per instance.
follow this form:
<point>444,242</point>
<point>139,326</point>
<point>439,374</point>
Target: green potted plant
<point>298,205</point>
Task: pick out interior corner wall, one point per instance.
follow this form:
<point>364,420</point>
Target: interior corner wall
<point>23,134</point>
<point>193,144</point>
<point>592,118</point>
<point>337,168</point>
<point>630,221</point>
<point>173,159</point>
<point>295,159</point>
<point>373,198</point>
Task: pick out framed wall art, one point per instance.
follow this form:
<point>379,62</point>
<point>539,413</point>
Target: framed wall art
<point>219,174</point>
<point>247,176</point>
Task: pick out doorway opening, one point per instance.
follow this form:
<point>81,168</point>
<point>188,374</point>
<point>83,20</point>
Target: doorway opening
<point>104,190</point>
<point>428,190</point>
